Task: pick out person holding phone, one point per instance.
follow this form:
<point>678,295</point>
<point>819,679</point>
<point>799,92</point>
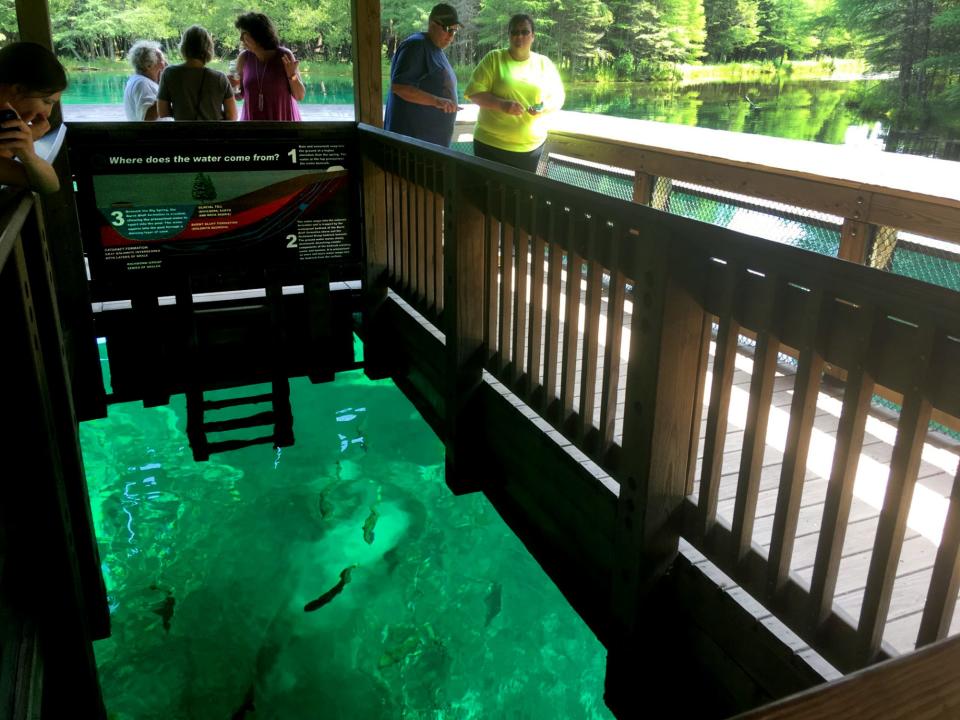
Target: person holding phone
<point>515,89</point>
<point>267,75</point>
<point>31,82</point>
<point>423,87</point>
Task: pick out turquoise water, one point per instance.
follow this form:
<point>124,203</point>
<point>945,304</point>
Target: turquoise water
<point>209,566</point>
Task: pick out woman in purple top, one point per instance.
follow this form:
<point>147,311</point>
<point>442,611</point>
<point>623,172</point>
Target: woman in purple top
<point>267,77</point>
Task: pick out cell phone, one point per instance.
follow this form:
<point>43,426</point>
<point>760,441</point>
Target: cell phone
<point>536,108</point>
<point>5,115</point>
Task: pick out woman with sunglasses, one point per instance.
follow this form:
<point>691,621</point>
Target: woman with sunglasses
<point>515,88</point>
<point>423,87</point>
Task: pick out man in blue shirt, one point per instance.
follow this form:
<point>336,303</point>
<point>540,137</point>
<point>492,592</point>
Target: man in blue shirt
<point>423,87</point>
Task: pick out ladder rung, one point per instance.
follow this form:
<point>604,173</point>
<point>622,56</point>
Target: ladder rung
<point>233,402</point>
<point>225,445</point>
<point>264,418</point>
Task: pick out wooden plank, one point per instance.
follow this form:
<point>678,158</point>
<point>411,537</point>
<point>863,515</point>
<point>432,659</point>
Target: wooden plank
<point>464,255</point>
<point>611,357</point>
<point>591,335</point>
<point>846,458</point>
<point>904,464</point>
<point>522,213</point>
<point>431,255</point>
<point>919,685</point>
<point>568,368</point>
<point>643,184</point>
<point>721,383</point>
<point>367,67</point>
<point>758,412</point>
<point>537,259</point>
<point>491,279</point>
<point>438,212</point>
<point>507,237</point>
<point>802,412</point>
<point>705,337</point>
<point>551,340</point>
<point>945,581</point>
<point>419,230</point>
<point>854,241</point>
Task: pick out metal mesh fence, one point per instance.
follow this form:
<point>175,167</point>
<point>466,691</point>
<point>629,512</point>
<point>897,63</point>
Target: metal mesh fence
<point>931,261</point>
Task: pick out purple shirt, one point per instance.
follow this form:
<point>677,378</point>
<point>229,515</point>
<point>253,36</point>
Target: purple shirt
<point>270,80</point>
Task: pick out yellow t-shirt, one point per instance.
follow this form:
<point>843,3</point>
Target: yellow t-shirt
<point>528,82</point>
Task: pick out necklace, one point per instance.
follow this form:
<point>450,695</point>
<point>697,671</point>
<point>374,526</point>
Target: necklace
<point>260,76</point>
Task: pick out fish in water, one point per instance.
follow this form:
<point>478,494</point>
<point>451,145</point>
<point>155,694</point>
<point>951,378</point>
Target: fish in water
<point>247,707</point>
<point>369,524</point>
<point>332,592</point>
<point>164,609</point>
<point>324,504</point>
<point>493,601</point>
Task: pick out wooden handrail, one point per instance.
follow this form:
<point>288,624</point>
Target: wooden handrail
<point>923,684</point>
<point>536,323</point>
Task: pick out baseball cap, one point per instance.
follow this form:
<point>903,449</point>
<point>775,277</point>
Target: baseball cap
<point>445,14</point>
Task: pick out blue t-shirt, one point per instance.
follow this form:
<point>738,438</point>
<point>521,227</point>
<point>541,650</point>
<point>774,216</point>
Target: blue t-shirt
<point>420,63</point>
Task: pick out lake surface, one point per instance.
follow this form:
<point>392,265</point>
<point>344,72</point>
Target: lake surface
<point>818,110</point>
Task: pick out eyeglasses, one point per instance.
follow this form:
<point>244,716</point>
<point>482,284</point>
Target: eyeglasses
<point>524,32</point>
<point>449,29</point>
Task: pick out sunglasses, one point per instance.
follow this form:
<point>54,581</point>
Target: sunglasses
<point>524,32</point>
<point>449,29</point>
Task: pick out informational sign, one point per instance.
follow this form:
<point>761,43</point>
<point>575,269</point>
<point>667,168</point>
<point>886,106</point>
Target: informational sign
<point>159,208</point>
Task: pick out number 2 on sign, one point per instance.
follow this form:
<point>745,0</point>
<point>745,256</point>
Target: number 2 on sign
<point>292,241</point>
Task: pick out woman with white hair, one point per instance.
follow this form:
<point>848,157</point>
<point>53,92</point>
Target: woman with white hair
<point>140,94</point>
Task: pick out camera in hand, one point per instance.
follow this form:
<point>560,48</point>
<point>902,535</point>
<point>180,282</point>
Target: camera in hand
<point>5,115</point>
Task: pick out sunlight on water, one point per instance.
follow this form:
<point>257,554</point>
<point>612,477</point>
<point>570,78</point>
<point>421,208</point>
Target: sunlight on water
<point>442,614</point>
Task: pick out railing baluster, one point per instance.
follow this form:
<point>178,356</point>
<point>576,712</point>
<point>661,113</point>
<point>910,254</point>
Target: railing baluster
<point>522,243</point>
<point>945,581</point>
<point>507,231</point>
<point>419,229</point>
<point>429,239</point>
<point>591,333</point>
<point>904,464</point>
<point>706,335</point>
<point>755,430</point>
<point>491,249</point>
<point>803,410</point>
<point>537,260</point>
<point>571,325</point>
<point>720,389</point>
<point>439,202</point>
<point>552,340</point>
<point>611,355</point>
<point>843,473</point>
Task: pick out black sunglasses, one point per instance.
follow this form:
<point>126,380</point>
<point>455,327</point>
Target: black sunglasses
<point>523,32</point>
<point>449,29</point>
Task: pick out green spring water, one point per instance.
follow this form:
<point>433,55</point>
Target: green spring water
<point>209,565</point>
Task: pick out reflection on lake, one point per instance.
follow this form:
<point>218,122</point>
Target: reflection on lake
<point>819,110</point>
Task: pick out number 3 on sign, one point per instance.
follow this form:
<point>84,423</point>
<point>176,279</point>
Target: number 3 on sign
<point>292,241</point>
<point>116,218</point>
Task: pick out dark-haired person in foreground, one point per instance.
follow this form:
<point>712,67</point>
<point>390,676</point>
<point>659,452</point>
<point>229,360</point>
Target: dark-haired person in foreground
<point>31,82</point>
<point>423,87</point>
<point>267,75</point>
<point>192,91</point>
<point>515,89</point>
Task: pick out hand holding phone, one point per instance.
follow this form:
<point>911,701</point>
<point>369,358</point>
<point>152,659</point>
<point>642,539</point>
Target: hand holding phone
<point>535,109</point>
<point>7,114</point>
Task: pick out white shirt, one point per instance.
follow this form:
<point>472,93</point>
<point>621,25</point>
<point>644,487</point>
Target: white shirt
<point>139,94</point>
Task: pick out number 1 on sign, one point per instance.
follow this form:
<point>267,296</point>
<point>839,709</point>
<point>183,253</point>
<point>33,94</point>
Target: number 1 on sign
<point>293,156</point>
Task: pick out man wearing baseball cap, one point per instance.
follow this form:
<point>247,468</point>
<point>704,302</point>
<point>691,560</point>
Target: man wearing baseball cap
<point>423,87</point>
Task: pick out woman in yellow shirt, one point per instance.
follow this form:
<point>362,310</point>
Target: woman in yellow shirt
<point>515,89</point>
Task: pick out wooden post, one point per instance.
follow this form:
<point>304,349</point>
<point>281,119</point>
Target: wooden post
<point>376,354</point>
<point>33,23</point>
<point>854,241</point>
<point>463,316</point>
<point>367,83</point>
<point>664,359</point>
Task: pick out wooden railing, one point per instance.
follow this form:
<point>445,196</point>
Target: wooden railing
<point>513,303</point>
<point>52,597</point>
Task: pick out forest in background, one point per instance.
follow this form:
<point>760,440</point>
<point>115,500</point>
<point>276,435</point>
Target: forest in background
<point>591,40</point>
